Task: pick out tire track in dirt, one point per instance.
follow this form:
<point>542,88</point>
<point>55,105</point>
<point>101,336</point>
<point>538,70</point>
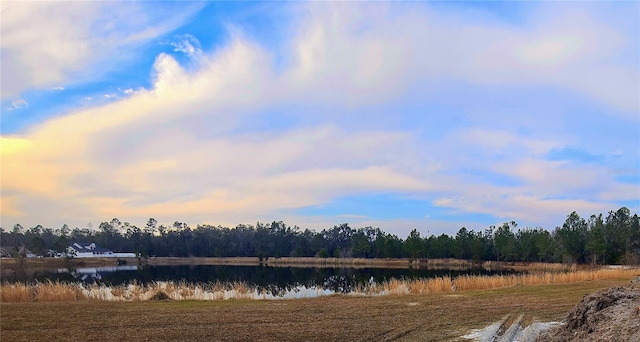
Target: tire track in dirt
<point>511,328</point>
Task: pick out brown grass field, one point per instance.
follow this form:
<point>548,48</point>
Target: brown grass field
<point>443,316</point>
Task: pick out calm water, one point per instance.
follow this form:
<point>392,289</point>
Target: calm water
<point>274,279</point>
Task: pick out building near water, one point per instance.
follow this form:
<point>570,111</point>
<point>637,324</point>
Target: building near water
<point>91,250</point>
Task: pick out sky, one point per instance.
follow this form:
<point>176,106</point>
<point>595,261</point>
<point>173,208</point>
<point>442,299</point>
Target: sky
<point>399,115</point>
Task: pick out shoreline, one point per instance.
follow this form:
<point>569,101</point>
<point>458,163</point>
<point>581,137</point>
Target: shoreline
<point>63,291</point>
<point>44,263</point>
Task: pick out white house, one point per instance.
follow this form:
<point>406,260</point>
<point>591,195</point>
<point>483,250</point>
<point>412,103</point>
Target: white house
<point>80,250</point>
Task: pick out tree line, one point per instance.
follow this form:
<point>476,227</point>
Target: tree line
<point>614,239</point>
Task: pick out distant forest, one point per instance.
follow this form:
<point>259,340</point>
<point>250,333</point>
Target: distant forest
<point>614,239</point>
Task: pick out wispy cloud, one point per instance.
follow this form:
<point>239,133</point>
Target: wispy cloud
<point>18,104</point>
<point>186,44</point>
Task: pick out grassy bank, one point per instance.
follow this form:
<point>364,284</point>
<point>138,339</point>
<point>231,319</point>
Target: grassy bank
<point>44,292</point>
<point>47,263</point>
<point>339,262</point>
<point>442,316</point>
<point>44,263</point>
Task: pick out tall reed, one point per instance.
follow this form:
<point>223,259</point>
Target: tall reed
<point>41,292</point>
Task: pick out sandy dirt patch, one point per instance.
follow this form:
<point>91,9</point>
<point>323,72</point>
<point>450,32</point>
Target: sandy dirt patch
<point>608,315</point>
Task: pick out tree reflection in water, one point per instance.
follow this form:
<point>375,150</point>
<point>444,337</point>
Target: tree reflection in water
<point>273,281</point>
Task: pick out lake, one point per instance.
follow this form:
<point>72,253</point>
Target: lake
<point>276,280</point>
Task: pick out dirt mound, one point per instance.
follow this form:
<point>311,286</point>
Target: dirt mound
<point>608,315</point>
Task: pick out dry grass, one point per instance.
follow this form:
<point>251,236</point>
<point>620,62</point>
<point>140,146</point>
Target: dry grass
<point>542,266</point>
<point>339,262</point>
<point>41,292</point>
<point>466,282</point>
<point>60,291</point>
<point>436,316</point>
<point>544,278</point>
<point>458,264</point>
<point>51,292</point>
<point>13,293</point>
<point>238,261</point>
<point>451,264</point>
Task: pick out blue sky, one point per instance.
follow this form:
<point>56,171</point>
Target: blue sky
<point>400,115</point>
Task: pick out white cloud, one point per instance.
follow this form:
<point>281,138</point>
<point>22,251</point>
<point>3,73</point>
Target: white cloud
<point>49,43</point>
<point>187,148</point>
<point>369,63</point>
<point>41,41</point>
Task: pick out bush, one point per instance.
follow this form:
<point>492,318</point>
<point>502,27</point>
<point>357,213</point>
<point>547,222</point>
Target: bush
<point>323,253</point>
